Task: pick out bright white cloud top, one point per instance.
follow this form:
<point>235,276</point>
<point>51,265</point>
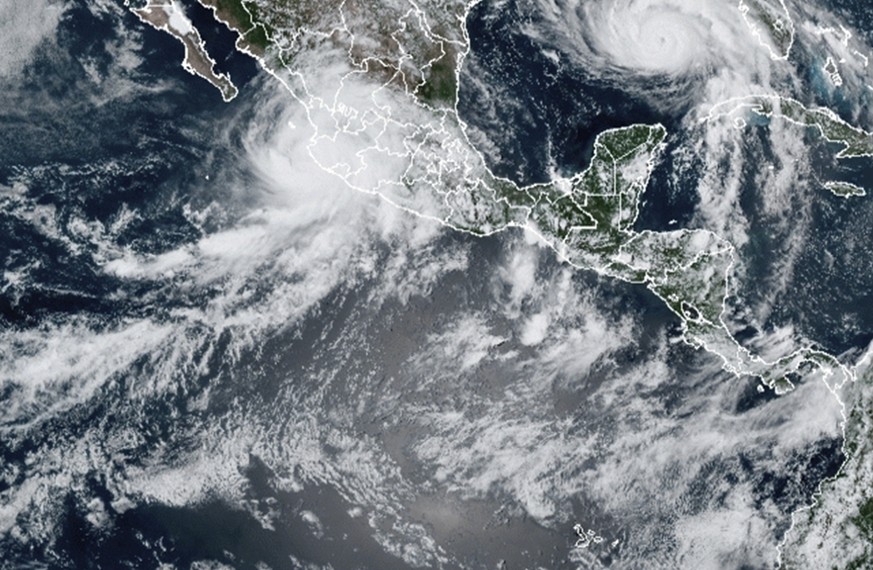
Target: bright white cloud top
<point>329,329</point>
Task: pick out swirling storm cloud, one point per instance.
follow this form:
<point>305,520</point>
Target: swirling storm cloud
<point>216,354</point>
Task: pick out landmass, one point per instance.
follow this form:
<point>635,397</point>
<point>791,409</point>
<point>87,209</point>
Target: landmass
<point>853,141</point>
<point>844,189</point>
<point>169,17</point>
<point>253,35</point>
<point>388,99</point>
<point>407,144</point>
<point>770,22</point>
<point>841,516</point>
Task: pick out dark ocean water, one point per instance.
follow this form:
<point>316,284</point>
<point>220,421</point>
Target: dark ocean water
<point>547,109</point>
<point>88,151</point>
<point>85,158</point>
<point>552,112</point>
<point>827,297</point>
<point>544,114</point>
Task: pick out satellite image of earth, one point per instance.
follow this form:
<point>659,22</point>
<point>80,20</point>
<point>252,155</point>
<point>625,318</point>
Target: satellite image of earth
<point>441,284</point>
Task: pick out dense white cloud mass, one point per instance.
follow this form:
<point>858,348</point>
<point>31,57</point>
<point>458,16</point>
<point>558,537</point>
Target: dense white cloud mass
<point>750,176</point>
<point>655,37</point>
<point>349,348</point>
<point>692,53</point>
<point>304,235</point>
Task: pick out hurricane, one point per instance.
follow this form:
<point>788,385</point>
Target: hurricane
<point>455,285</point>
<point>655,38</point>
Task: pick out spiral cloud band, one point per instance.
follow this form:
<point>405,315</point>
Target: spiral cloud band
<point>705,51</point>
<point>649,36</point>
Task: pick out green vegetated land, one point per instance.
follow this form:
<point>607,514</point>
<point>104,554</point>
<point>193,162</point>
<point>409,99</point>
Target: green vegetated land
<point>588,219</point>
<point>242,16</point>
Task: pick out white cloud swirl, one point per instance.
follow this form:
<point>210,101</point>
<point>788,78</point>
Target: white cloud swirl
<point>677,54</point>
<point>651,36</point>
